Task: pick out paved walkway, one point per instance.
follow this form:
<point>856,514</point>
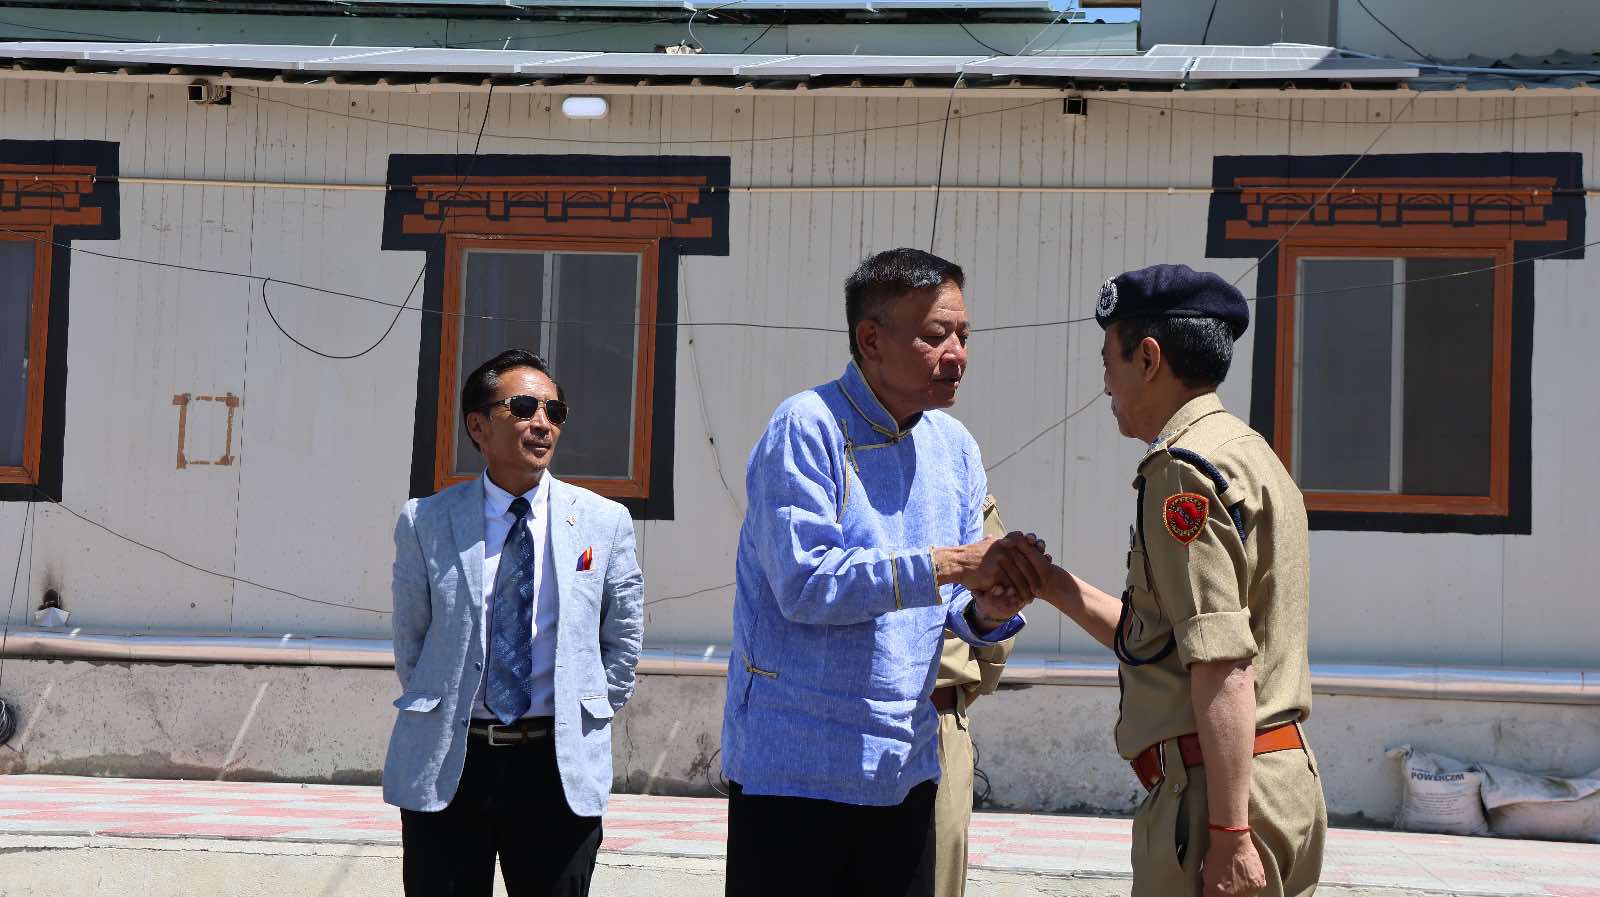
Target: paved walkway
<point>696,827</point>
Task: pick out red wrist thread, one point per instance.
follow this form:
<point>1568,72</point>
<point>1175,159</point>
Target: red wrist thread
<point>1236,829</point>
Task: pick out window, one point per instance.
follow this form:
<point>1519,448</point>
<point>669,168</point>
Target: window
<point>574,257</point>
<point>52,192</point>
<point>1392,346</point>
<point>1393,381</point>
<point>588,307</point>
<point>24,309</point>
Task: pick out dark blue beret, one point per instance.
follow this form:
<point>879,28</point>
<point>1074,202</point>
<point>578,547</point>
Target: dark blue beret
<point>1172,291</point>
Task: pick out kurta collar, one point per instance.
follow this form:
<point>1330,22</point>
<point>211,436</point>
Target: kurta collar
<point>866,403</point>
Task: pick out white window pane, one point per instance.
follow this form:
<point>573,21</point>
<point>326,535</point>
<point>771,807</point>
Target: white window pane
<point>1344,362</point>
<point>595,354</point>
<point>16,305</point>
<point>1449,371</point>
<point>502,285</point>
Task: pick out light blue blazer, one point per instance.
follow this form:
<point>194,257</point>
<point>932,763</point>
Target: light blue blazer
<point>438,642</point>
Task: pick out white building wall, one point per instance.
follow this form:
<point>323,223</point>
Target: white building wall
<point>323,447</point>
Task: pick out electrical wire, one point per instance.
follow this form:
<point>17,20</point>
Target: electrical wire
<point>1045,432</point>
<point>8,723</point>
<point>846,132</point>
<point>700,394</point>
<point>758,38</point>
<point>938,181</point>
<point>504,40</point>
<point>711,764</point>
<point>695,594</point>
<point>1392,33</point>
<point>1059,16</point>
<point>744,325</point>
<point>28,514</point>
<point>590,30</point>
<point>1206,34</point>
<point>196,567</point>
<point>979,41</point>
<point>116,37</point>
<point>405,305</point>
<point>698,592</point>
<point>1293,121</point>
<point>697,44</point>
<point>979,798</point>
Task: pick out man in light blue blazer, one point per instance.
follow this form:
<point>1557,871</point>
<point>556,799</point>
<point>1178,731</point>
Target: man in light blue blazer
<point>518,615</point>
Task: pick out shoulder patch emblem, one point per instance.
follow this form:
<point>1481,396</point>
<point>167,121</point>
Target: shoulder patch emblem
<point>1185,515</point>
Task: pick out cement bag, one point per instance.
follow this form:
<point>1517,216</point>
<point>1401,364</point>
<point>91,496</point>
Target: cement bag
<point>1522,805</point>
<point>1441,794</point>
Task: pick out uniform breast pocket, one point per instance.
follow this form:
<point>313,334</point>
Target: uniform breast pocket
<point>1146,624</point>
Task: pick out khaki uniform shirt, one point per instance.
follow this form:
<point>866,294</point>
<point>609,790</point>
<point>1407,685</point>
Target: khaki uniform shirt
<point>1193,581</point>
<point>977,670</point>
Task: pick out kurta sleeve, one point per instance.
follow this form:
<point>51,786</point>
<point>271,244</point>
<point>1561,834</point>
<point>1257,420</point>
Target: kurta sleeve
<point>972,531</point>
<point>795,488</point>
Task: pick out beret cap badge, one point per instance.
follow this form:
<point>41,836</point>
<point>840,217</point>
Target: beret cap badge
<point>1108,298</point>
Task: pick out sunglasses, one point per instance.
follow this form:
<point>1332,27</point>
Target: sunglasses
<point>525,407</point>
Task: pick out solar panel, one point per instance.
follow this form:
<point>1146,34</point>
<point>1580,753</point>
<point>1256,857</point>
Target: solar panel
<point>1162,64</point>
<point>699,64</point>
<point>712,5</point>
<point>1111,68</point>
<point>819,66</point>
<point>76,50</point>
<point>505,62</point>
<point>271,56</point>
<point>1229,68</point>
<point>1275,51</point>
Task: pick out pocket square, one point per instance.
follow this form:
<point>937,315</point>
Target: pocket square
<point>586,560</point>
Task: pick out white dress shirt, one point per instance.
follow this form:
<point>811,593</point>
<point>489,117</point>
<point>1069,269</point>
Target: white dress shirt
<point>497,520</point>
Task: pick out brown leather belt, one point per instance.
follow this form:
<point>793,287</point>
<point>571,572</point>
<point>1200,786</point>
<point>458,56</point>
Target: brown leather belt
<point>523,731</point>
<point>944,699</point>
<point>1149,768</point>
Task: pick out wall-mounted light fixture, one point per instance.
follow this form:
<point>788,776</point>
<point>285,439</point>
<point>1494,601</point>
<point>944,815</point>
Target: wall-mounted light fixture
<point>584,107</point>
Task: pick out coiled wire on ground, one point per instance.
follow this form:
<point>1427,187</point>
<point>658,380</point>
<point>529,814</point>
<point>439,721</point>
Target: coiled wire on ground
<point>8,722</point>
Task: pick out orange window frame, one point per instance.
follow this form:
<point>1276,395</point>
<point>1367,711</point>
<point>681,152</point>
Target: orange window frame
<point>456,248</point>
<point>1498,501</point>
<point>38,344</point>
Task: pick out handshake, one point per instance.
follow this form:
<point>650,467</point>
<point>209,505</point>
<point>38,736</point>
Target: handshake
<point>1002,574</point>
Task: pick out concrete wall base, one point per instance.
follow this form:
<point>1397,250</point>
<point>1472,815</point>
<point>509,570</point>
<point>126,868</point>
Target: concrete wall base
<point>1043,748</point>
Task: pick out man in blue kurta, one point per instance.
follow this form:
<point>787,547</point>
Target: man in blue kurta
<point>862,542</point>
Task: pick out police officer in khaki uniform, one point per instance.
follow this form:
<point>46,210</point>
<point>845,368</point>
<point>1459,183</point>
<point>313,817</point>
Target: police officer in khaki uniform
<point>965,673</point>
<point>1211,631</point>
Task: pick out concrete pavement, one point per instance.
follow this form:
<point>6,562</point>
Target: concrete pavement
<point>64,835</point>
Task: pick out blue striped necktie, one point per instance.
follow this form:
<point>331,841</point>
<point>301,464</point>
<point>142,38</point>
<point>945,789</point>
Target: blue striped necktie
<point>510,690</point>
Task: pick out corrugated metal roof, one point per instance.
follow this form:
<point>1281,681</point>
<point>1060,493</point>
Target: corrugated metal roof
<point>1167,64</point>
<point>1566,71</point>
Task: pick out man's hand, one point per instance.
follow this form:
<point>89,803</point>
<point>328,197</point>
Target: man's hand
<point>1013,567</point>
<point>1232,867</point>
<point>989,611</point>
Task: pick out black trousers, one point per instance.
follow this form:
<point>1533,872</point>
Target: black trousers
<point>509,804</point>
<point>780,846</point>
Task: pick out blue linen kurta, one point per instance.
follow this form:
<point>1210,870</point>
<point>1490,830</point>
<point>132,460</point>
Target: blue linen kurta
<point>837,621</point>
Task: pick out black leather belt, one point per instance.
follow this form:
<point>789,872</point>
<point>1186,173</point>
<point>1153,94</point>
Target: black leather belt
<point>523,731</point>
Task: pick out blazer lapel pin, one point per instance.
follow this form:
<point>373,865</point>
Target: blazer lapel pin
<point>586,560</point>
